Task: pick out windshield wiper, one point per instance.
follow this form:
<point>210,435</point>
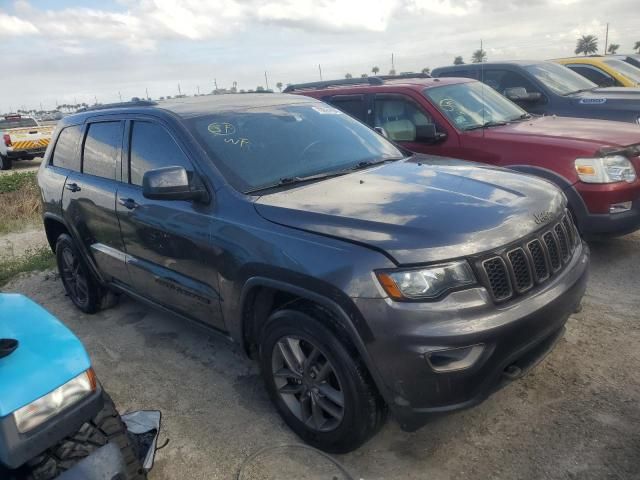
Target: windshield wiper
<point>490,123</point>
<point>579,91</point>
<point>370,163</point>
<point>524,116</point>
<point>286,181</point>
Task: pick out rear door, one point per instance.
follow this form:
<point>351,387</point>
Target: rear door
<point>89,198</point>
<point>167,242</point>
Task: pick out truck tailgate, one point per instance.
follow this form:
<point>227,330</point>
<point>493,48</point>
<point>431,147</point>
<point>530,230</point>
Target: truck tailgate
<point>29,138</point>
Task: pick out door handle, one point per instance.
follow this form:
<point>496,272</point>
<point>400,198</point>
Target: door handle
<point>73,187</point>
<point>128,203</point>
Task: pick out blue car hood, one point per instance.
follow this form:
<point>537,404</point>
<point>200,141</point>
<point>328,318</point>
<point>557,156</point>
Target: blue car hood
<point>48,354</point>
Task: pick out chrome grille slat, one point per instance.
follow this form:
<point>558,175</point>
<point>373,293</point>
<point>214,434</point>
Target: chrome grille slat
<point>507,274</point>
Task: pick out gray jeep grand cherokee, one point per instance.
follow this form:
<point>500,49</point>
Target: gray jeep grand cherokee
<point>364,278</point>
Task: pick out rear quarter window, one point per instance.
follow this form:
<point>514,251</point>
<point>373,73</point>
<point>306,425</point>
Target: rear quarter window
<point>65,152</point>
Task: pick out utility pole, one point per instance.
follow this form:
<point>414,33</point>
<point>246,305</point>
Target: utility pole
<point>320,70</point>
<point>198,89</point>
<point>41,109</point>
<point>95,97</point>
<point>266,80</point>
<point>146,90</point>
<point>393,66</point>
<point>179,91</point>
<point>215,84</point>
<point>606,39</point>
<point>120,96</point>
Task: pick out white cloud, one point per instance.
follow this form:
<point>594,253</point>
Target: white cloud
<point>10,26</point>
<point>444,7</point>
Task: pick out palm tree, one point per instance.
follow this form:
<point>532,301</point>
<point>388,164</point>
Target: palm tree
<point>426,70</point>
<point>458,60</point>
<point>613,48</point>
<point>392,72</point>
<point>587,44</point>
<point>348,75</point>
<point>375,70</point>
<point>479,56</point>
<point>637,47</point>
<point>279,86</point>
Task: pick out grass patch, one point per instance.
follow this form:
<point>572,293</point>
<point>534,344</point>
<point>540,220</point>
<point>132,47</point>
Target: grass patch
<point>19,201</point>
<point>32,260</point>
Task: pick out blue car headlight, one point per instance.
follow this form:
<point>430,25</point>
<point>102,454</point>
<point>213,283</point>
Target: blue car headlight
<point>39,411</point>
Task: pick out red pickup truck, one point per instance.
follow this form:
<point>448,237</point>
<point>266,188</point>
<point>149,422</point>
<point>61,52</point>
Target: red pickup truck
<point>595,162</point>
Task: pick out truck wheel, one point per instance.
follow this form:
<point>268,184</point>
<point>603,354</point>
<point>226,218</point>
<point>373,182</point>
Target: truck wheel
<point>105,427</point>
<point>5,163</point>
<point>79,283</point>
<point>321,390</point>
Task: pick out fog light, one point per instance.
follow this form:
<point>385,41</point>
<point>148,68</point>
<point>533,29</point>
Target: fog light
<point>620,207</point>
<point>451,359</point>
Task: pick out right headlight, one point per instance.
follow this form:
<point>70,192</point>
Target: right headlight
<point>426,283</point>
<point>615,168</point>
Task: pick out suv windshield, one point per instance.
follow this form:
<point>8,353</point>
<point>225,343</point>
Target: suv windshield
<point>266,146</point>
<point>17,122</point>
<point>473,105</point>
<point>560,79</point>
<point>629,71</point>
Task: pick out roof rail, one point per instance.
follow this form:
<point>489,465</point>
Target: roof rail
<point>331,83</point>
<point>136,103</point>
<point>376,80</point>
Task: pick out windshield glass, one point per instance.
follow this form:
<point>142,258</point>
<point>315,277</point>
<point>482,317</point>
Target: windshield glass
<point>629,71</point>
<point>473,104</point>
<point>17,122</point>
<point>258,147</point>
<point>559,78</point>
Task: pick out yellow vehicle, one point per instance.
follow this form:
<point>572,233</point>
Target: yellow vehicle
<point>604,71</point>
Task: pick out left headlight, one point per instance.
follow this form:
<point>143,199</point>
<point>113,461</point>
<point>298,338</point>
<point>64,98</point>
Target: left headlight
<point>49,405</point>
<point>615,168</point>
<point>426,283</point>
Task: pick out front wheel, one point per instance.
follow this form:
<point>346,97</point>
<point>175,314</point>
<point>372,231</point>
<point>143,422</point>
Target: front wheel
<point>5,163</point>
<point>319,388</point>
<point>79,283</point>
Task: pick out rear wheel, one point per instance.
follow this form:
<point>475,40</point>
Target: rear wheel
<point>321,390</point>
<point>5,163</point>
<point>105,427</point>
<point>80,284</point>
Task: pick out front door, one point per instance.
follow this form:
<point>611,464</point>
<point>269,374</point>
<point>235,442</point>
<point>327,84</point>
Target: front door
<point>167,242</point>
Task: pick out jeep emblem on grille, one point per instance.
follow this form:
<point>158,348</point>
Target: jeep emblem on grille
<point>542,217</point>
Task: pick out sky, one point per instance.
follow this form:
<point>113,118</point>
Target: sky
<point>73,51</point>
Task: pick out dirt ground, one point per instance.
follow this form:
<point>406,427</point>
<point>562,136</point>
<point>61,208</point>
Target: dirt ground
<point>576,416</point>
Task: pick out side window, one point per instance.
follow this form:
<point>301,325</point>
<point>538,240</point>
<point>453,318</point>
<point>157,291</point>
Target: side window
<point>152,147</point>
<point>101,149</point>
<point>353,105</point>
<point>401,117</point>
<point>65,150</point>
<point>596,75</point>
<point>501,80</point>
<point>458,73</point>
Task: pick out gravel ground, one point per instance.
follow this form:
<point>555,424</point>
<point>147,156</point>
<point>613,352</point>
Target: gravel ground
<point>576,416</point>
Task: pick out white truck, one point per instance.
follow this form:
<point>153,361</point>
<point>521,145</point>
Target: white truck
<point>22,138</point>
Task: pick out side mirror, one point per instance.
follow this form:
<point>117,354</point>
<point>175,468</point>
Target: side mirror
<point>520,94</point>
<point>429,134</point>
<point>173,183</point>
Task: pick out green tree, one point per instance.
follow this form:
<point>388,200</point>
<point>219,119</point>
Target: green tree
<point>479,56</point>
<point>375,70</point>
<point>613,48</point>
<point>392,72</point>
<point>279,86</point>
<point>637,47</point>
<point>587,45</point>
<point>364,75</point>
<point>348,75</point>
<point>426,70</point>
<point>458,60</point>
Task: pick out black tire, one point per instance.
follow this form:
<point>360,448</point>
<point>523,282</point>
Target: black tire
<point>105,427</point>
<point>5,163</point>
<point>340,428</point>
<point>81,286</point>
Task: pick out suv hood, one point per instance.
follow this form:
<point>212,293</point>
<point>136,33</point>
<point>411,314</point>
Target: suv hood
<point>595,133</point>
<point>48,354</point>
<point>426,209</point>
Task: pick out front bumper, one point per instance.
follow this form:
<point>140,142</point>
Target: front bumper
<point>590,205</point>
<point>16,448</point>
<point>515,336</point>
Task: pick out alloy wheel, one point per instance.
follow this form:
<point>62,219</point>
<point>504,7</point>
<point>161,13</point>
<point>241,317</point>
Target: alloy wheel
<point>73,277</point>
<point>308,384</point>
